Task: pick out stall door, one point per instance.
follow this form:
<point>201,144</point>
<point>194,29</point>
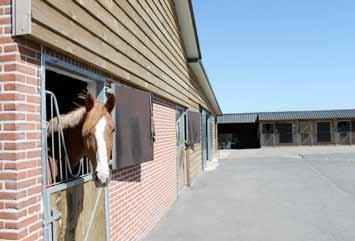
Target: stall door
<point>306,133</point>
<point>180,148</point>
<point>323,132</point>
<point>204,138</point>
<point>284,131</point>
<point>209,138</point>
<point>344,133</point>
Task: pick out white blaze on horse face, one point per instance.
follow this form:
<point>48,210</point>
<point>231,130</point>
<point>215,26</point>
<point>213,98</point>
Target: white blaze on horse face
<point>102,169</point>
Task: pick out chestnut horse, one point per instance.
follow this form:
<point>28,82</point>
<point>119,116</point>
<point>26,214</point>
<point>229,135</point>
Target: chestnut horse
<point>88,132</point>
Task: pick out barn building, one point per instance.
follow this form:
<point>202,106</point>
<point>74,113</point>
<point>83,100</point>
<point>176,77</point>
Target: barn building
<point>53,53</point>
<point>254,130</point>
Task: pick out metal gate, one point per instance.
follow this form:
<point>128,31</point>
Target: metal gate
<point>306,131</point>
<point>180,148</point>
<point>74,208</point>
<point>343,134</point>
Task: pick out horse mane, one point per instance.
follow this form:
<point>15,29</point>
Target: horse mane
<point>69,120</point>
<point>93,116</point>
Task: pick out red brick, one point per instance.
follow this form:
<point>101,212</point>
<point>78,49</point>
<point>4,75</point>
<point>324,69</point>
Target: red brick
<point>14,185</point>
<point>20,68</point>
<point>6,235</point>
<point>20,126</point>
<point>11,96</point>
<point>5,20</point>
<point>33,136</point>
<point>12,77</point>
<point>33,154</point>
<point>19,107</point>
<point>21,165</point>
<point>21,88</point>
<point>8,175</point>
<point>20,145</point>
<point>11,136</point>
<point>4,40</point>
<point>33,117</point>
<point>7,10</point>
<point>5,2</point>
<point>11,48</point>
<point>34,99</point>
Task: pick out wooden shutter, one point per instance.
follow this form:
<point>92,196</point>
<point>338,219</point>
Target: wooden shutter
<point>193,127</point>
<point>134,133</point>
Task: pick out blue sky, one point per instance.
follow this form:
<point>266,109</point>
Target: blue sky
<point>279,55</point>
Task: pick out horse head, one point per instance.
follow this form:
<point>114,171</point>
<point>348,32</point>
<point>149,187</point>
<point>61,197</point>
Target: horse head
<point>97,133</point>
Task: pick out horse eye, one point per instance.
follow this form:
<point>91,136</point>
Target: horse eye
<point>113,130</point>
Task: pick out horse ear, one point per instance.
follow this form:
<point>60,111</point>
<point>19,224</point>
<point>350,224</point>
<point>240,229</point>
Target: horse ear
<point>90,102</point>
<point>110,102</point>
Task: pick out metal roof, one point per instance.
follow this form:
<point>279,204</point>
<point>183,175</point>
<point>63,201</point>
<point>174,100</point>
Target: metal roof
<point>286,115</point>
<point>237,118</point>
<point>307,115</point>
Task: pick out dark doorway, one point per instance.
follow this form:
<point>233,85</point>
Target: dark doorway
<point>323,132</point>
<point>238,136</point>
<point>285,133</point>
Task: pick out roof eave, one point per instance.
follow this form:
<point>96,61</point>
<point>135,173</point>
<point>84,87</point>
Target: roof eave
<point>202,78</point>
<point>185,14</point>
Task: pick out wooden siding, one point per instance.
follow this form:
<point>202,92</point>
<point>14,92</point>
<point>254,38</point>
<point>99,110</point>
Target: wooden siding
<point>136,41</point>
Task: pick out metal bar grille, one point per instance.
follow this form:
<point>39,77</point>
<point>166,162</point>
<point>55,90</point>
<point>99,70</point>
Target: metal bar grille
<point>58,161</point>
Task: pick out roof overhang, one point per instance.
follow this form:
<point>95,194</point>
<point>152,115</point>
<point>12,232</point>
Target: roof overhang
<point>202,78</point>
<point>187,24</point>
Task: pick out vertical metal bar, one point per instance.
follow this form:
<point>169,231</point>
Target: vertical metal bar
<point>52,136</point>
<point>107,213</point>
<point>44,153</point>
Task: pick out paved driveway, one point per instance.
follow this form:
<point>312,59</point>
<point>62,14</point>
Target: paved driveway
<point>280,197</point>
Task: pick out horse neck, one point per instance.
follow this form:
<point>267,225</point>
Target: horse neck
<point>75,143</point>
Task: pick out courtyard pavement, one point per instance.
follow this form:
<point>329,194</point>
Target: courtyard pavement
<point>272,194</point>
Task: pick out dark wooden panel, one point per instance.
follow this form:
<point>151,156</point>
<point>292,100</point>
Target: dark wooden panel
<point>134,133</point>
<point>194,127</point>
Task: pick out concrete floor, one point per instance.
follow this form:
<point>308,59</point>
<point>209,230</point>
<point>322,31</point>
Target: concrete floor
<point>268,195</point>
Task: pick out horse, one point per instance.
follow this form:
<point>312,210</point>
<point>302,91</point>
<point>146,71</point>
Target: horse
<point>88,132</point>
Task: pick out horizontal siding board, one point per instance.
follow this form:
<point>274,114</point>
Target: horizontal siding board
<point>60,43</point>
<point>143,43</point>
<point>169,14</point>
<point>142,20</point>
<point>151,15</point>
<point>163,18</point>
<point>137,41</point>
<point>57,22</point>
<point>144,56</point>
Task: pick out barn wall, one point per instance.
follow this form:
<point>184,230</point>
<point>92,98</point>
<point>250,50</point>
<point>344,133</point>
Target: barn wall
<point>314,140</point>
<point>141,195</point>
<point>20,136</point>
<point>137,41</point>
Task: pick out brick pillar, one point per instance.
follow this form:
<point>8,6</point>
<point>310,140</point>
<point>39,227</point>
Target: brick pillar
<point>20,135</point>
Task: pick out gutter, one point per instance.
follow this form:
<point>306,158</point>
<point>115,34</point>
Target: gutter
<point>186,17</point>
<point>200,72</point>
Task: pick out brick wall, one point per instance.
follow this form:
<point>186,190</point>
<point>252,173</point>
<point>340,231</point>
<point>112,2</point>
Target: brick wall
<point>20,153</point>
<point>141,195</point>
